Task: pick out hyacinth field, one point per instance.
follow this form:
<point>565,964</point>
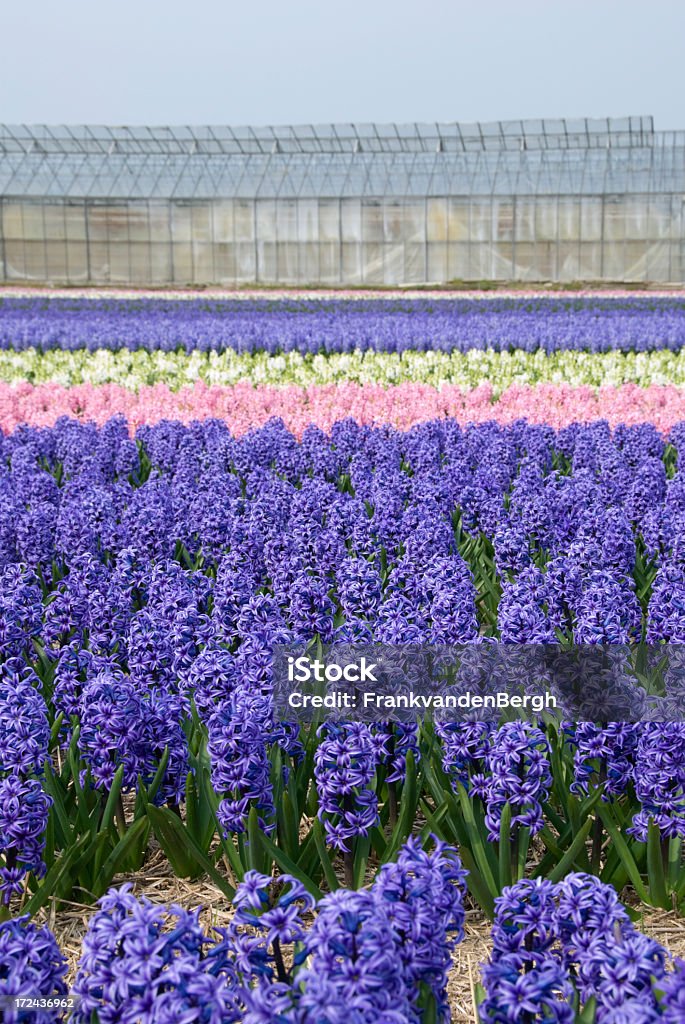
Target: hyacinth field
<point>187,482</point>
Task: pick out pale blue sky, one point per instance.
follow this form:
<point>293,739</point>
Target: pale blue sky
<point>274,62</point>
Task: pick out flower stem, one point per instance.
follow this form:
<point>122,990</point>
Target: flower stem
<point>392,804</point>
<point>598,828</point>
<point>348,863</point>
<point>278,960</point>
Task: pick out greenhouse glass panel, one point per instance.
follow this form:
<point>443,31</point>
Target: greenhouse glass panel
<point>549,198</point>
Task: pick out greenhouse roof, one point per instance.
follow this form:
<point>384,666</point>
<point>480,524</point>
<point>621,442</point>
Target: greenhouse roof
<point>566,157</point>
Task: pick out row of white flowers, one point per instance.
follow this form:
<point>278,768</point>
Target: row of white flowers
<point>500,369</point>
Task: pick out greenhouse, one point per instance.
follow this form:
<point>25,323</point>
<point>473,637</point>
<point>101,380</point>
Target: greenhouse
<point>548,200</point>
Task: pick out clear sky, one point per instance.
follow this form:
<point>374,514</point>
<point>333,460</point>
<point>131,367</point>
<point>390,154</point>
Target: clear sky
<point>308,61</point>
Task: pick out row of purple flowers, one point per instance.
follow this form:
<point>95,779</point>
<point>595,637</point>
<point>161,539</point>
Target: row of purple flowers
<point>381,955</point>
<point>640,323</point>
<point>142,578</point>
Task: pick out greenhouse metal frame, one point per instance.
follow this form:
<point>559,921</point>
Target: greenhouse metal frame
<point>549,200</point>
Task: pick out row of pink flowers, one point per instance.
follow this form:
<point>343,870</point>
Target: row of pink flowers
<point>244,405</point>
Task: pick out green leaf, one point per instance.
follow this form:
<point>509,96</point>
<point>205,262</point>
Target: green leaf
<point>558,822</point>
<point>49,852</point>
<point>481,855</point>
<point>361,859</point>
<point>87,866</point>
<point>110,806</point>
<point>182,850</point>
<point>674,859</point>
<point>53,788</point>
<point>200,819</point>
<point>236,863</point>
<point>407,813</point>
<point>434,819</point>
<point>477,887</point>
<point>86,823</point>
<point>308,859</point>
<point>55,730</point>
<point>328,870</point>
<point>255,850</point>
<point>427,1005</point>
<point>59,873</point>
<point>505,850</point>
<point>523,843</point>
<point>624,853</point>
<point>655,867</point>
<point>158,777</point>
<point>288,825</point>
<point>141,804</point>
<point>589,1010</point>
<point>565,864</point>
<point>379,843</point>
<point>438,787</point>
<point>116,859</point>
<point>175,842</point>
<point>289,866</point>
